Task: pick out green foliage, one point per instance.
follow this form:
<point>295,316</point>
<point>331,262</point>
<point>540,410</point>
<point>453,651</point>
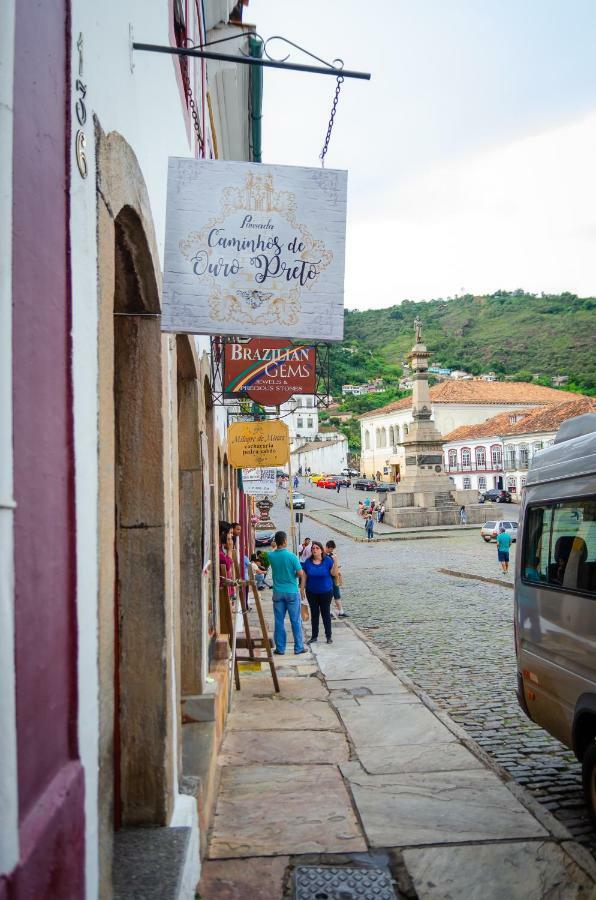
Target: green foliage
<point>508,332</point>
<point>351,429</point>
<point>366,402</point>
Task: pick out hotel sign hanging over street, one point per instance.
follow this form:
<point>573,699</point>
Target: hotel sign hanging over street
<point>268,370</point>
<point>253,249</point>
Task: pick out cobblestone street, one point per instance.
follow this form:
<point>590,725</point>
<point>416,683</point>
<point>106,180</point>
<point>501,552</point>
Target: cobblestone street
<point>454,638</point>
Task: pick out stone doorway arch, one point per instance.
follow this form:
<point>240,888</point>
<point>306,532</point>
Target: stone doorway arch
<point>136,716</point>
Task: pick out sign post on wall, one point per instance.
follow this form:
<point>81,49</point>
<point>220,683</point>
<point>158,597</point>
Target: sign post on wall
<point>254,249</point>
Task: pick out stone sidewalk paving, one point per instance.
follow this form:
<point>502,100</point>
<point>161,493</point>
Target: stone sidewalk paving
<point>351,774</point>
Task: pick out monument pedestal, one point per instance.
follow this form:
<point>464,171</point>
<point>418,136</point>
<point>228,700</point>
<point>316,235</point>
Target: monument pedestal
<point>425,495</point>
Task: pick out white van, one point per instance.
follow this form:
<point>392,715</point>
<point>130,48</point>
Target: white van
<point>555,594</point>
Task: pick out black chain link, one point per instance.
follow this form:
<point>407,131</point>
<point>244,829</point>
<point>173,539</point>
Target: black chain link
<point>195,116</point>
<point>323,153</point>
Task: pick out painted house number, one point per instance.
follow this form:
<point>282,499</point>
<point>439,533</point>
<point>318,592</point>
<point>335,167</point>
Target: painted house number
<point>81,114</point>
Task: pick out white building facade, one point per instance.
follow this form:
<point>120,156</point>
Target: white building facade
<point>301,415</point>
<point>327,457</point>
<point>454,404</point>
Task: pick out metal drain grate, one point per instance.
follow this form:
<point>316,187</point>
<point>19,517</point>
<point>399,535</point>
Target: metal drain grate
<point>342,883</point>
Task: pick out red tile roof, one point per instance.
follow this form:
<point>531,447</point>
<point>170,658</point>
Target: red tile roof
<point>531,421</point>
<point>490,428</point>
<point>483,392</point>
<point>552,417</point>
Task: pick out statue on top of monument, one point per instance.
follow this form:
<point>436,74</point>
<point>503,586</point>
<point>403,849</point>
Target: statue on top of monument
<point>418,327</point>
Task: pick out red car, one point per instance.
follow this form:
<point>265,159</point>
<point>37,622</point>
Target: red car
<point>327,483</point>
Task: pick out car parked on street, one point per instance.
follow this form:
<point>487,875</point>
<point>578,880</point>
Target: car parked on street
<point>490,530</point>
<point>385,487</point>
<point>263,537</point>
<point>495,495</point>
<point>313,478</point>
<point>327,482</point>
<point>365,484</point>
<point>298,501</point>
<point>351,473</point>
<point>344,480</point>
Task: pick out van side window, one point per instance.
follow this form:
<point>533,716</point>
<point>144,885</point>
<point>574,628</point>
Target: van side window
<point>573,546</point>
<point>560,545</point>
<point>536,546</point>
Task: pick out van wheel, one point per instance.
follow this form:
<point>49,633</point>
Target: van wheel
<point>589,779</point>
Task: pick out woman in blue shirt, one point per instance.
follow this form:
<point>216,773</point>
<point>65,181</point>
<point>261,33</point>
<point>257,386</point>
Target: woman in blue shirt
<point>320,570</point>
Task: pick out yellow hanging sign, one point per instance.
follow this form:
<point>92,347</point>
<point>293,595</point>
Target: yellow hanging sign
<point>258,444</point>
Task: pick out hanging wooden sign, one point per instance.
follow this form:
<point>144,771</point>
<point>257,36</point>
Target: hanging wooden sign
<point>257,444</point>
<point>253,249</point>
<point>269,370</point>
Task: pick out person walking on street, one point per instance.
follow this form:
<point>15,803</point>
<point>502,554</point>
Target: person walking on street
<point>463,516</point>
<point>381,513</point>
<point>338,486</point>
<point>286,570</point>
<point>330,550</point>
<point>319,572</point>
<point>503,545</point>
<point>369,525</point>
<point>295,482</point>
<point>304,550</point>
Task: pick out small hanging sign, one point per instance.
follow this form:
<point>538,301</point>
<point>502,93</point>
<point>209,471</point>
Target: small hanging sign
<point>258,481</point>
<point>254,250</point>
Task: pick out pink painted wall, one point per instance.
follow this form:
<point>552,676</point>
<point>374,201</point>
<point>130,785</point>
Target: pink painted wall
<point>51,817</point>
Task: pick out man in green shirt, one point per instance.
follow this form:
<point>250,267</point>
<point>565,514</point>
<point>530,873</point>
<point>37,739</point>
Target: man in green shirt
<point>286,570</point>
<point>503,545</point>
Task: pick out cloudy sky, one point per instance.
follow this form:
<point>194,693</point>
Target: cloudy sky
<point>471,152</point>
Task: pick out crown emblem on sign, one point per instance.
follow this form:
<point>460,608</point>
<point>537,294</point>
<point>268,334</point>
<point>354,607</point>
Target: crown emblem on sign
<point>258,195</point>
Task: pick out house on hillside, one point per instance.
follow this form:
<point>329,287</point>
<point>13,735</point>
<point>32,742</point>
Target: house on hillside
<point>454,404</point>
<point>524,438</point>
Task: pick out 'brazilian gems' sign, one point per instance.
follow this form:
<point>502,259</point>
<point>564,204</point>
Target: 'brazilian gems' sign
<point>254,250</point>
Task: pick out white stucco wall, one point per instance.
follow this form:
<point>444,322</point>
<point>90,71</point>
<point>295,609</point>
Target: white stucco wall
<point>297,414</point>
<point>9,835</point>
<point>329,460</point>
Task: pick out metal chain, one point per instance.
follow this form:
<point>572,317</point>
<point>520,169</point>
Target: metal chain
<point>195,116</point>
<point>323,153</point>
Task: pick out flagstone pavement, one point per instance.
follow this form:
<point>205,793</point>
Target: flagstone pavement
<point>348,767</point>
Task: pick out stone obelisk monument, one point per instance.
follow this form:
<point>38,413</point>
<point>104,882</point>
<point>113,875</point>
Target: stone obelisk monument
<point>425,495</point>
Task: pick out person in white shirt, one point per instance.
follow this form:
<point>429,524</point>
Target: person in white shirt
<point>305,550</point>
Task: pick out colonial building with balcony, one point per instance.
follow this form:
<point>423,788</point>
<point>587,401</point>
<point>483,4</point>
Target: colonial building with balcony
<point>498,453</point>
<point>454,404</point>
<point>524,438</point>
<point>474,453</point>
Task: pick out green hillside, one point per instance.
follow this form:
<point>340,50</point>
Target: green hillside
<point>514,334</point>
